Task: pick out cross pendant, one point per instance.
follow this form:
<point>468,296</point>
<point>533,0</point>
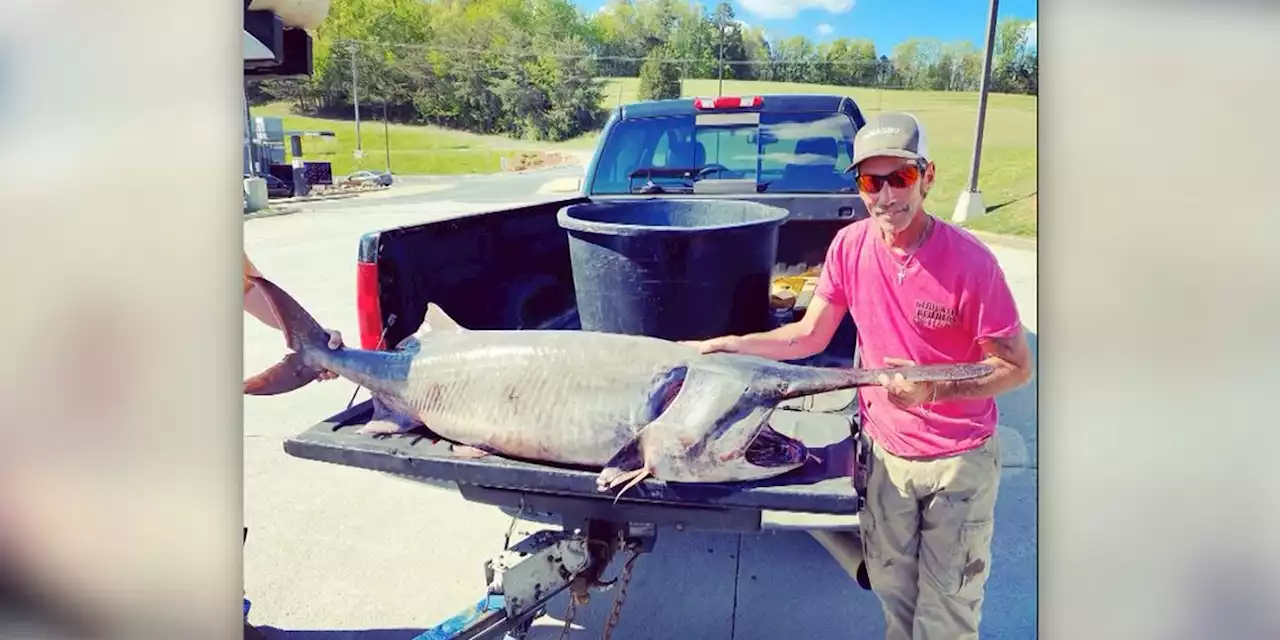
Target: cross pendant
<point>902,274</point>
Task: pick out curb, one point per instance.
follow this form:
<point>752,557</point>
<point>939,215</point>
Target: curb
<point>1012,242</point>
<point>333,196</point>
<point>561,186</point>
<point>546,167</point>
<point>271,212</point>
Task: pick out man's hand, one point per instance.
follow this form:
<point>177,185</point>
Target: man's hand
<point>335,341</point>
<point>903,393</point>
<point>723,344</point>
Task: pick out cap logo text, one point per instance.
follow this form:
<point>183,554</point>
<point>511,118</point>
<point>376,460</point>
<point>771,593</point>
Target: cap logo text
<point>884,131</point>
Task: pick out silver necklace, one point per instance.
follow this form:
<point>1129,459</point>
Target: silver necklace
<point>902,268</point>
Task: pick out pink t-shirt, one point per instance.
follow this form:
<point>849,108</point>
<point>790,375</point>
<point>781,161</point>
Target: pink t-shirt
<point>954,294</point>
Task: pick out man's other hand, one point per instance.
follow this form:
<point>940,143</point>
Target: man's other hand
<point>904,393</point>
<point>723,344</point>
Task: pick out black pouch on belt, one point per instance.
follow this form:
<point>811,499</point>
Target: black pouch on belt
<point>862,462</point>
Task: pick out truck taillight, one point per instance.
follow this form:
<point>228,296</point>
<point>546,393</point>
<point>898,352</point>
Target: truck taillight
<point>729,102</point>
<point>368,310</point>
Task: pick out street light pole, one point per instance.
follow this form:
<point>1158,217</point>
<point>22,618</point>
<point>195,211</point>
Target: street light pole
<point>970,205</point>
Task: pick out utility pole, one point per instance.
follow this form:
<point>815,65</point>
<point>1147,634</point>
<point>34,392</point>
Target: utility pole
<point>970,205</point>
<point>355,97</point>
<point>386,135</point>
<point>720,74</point>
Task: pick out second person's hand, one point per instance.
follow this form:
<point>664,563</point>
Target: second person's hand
<point>335,341</point>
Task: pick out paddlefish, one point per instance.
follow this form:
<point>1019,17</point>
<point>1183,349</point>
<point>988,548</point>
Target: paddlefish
<point>634,407</point>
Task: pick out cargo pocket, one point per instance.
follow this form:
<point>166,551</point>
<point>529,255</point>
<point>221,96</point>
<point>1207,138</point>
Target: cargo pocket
<point>870,543</point>
<point>971,560</point>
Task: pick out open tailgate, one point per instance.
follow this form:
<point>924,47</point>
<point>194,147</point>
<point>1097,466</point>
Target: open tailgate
<point>821,487</point>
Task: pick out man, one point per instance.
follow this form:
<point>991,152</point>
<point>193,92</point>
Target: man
<point>923,291</point>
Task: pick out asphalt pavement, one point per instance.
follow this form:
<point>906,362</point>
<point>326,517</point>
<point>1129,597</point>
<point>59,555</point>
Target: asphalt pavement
<point>476,189</point>
<point>337,552</point>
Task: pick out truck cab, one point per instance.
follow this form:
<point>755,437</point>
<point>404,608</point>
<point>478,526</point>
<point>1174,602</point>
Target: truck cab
<point>777,145</point>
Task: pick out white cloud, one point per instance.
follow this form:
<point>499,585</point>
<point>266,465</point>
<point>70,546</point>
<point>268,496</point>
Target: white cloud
<point>775,9</point>
<point>1031,35</point>
<point>825,29</point>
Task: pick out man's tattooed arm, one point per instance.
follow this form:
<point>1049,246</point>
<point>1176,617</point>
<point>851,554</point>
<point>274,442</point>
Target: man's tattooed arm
<point>1011,358</point>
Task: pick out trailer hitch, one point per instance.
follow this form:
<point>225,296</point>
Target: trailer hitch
<point>525,577</point>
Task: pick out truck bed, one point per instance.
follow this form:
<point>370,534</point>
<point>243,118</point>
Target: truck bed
<point>510,269</point>
<point>817,488</point>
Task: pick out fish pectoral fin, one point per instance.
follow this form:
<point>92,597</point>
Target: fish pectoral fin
<point>627,460</point>
<point>631,478</point>
<point>466,451</point>
<point>292,372</point>
<point>389,421</point>
<point>382,428</point>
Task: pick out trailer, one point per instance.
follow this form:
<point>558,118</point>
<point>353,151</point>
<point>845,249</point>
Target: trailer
<point>586,532</point>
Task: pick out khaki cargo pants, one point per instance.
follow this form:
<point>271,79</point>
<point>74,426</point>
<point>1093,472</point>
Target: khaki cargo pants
<point>926,535</point>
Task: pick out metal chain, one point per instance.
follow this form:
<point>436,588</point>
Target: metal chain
<point>569,613</point>
<point>578,592</point>
<point>621,598</point>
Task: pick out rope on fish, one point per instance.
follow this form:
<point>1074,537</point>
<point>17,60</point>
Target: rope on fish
<point>382,339</point>
<point>511,528</point>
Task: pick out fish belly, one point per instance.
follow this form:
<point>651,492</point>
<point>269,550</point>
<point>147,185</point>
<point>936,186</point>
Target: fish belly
<point>548,405</point>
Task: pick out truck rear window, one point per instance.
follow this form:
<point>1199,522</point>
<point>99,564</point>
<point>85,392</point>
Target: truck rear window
<point>788,152</point>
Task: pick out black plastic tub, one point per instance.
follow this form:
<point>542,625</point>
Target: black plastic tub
<point>679,270</point>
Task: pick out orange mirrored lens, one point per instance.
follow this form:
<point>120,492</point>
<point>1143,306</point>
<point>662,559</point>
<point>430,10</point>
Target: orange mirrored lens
<point>904,177</point>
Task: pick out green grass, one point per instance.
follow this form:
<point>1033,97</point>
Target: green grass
<point>1007,176</point>
<point>415,150</point>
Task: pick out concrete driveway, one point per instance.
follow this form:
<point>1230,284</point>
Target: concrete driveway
<point>336,552</point>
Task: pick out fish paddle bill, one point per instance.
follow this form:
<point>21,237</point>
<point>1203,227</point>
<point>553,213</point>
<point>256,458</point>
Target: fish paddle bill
<point>805,381</point>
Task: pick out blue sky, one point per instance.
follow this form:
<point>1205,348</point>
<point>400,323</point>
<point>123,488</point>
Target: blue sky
<point>885,22</point>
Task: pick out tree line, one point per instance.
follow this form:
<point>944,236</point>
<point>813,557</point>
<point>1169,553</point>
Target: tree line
<point>533,68</point>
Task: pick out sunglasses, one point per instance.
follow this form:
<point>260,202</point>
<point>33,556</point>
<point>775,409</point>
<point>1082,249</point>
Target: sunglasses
<point>902,178</point>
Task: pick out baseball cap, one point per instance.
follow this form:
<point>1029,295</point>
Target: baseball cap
<point>895,134</point>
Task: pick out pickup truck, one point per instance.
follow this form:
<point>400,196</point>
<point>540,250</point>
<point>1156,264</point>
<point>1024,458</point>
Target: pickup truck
<point>511,269</point>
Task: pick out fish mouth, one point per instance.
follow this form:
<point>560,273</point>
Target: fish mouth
<point>772,449</point>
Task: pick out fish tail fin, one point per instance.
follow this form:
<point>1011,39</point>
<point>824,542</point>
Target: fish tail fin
<point>301,331</point>
<point>815,380</point>
<point>303,335</point>
<point>291,373</point>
